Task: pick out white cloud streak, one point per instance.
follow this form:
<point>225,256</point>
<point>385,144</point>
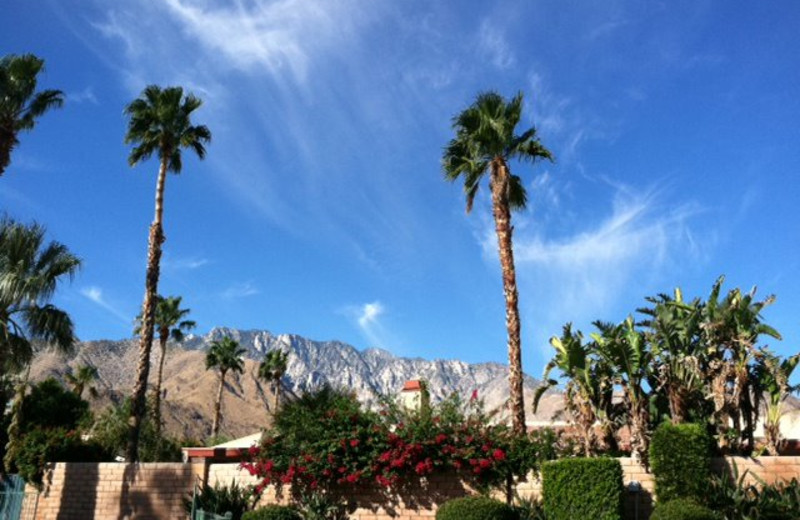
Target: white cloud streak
<point>95,295</point>
<point>240,290</point>
<point>580,277</point>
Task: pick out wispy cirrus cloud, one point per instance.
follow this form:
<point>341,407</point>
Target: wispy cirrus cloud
<point>240,290</point>
<point>493,45</point>
<point>191,263</point>
<point>367,317</point>
<point>95,295</point>
<point>580,277</point>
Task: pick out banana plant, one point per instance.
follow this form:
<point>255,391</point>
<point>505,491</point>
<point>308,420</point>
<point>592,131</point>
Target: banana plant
<point>624,348</point>
<point>775,374</point>
<point>673,332</point>
<point>588,389</point>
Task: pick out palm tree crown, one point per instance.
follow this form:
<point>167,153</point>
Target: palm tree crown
<point>271,369</point>
<point>30,271</point>
<point>160,122</point>
<point>486,141</point>
<point>225,355</point>
<point>82,378</point>
<point>20,104</point>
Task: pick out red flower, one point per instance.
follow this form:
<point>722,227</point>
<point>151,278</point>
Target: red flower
<point>485,463</point>
<point>474,396</point>
<point>286,479</point>
<point>441,438</point>
<point>342,469</point>
<point>331,458</point>
<point>499,454</point>
<point>385,456</point>
<point>354,443</point>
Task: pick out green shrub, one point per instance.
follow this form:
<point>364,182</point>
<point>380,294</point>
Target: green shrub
<point>682,509</point>
<point>582,488</point>
<point>272,512</point>
<point>41,446</point>
<point>736,498</point>
<point>680,458</point>
<point>476,508</point>
<point>221,499</point>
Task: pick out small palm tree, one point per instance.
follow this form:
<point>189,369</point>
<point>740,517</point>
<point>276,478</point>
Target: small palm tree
<point>160,123</point>
<point>485,142</point>
<point>20,104</point>
<point>271,370</point>
<point>170,324</point>
<point>30,272</point>
<point>81,379</point>
<point>224,355</point>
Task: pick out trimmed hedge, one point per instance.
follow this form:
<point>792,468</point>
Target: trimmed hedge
<point>680,458</point>
<point>272,512</point>
<point>582,488</point>
<point>683,509</point>
<point>476,508</point>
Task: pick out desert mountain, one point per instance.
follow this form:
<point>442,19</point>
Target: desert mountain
<point>247,402</point>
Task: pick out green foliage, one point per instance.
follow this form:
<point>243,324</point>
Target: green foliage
<point>221,499</point>
<point>682,509</point>
<point>736,499</point>
<point>50,405</point>
<point>529,508</point>
<point>110,431</point>
<point>680,458</point>
<point>41,446</point>
<point>318,505</point>
<point>476,508</point>
<point>583,488</point>
<point>272,512</point>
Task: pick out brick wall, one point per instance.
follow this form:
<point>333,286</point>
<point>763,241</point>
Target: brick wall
<point>114,491</point>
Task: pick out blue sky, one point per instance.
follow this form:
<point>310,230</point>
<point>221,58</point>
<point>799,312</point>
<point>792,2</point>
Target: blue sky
<point>321,209</point>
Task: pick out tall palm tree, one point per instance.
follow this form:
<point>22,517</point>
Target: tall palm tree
<point>485,142</point>
<point>224,355</point>
<point>30,272</point>
<point>159,123</point>
<point>20,104</point>
<point>169,323</point>
<point>272,369</point>
<point>81,379</point>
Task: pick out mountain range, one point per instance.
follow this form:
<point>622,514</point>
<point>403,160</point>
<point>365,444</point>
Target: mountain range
<point>190,389</point>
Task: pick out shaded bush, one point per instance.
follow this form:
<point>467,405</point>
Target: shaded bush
<point>110,430</point>
<point>582,488</point>
<point>680,458</point>
<point>476,508</point>
<point>41,446</point>
<point>683,509</point>
<point>272,512</point>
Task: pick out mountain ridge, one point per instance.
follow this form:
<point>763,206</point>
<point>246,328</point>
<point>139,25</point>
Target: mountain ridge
<point>190,389</point>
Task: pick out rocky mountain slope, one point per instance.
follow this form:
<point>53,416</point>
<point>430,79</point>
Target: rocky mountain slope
<point>247,402</point>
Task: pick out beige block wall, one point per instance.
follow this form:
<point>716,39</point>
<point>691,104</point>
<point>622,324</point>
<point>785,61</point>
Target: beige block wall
<point>118,491</point>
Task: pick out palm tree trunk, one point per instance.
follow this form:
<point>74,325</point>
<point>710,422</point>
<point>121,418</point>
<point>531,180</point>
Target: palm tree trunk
<point>504,230</point>
<point>218,406</point>
<point>162,339</point>
<point>156,239</point>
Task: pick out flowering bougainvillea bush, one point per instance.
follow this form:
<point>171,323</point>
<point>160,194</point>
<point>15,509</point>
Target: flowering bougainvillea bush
<point>328,440</point>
